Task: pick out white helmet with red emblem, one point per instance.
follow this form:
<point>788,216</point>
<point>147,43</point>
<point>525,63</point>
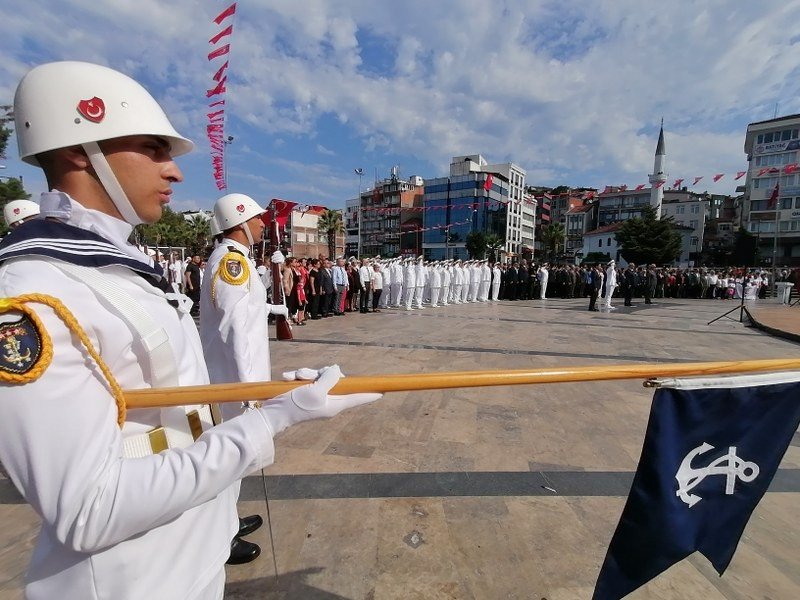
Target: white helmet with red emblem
<point>17,212</point>
<point>63,104</point>
<point>234,210</point>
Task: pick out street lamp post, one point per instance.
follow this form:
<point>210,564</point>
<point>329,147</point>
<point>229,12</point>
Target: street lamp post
<point>360,172</point>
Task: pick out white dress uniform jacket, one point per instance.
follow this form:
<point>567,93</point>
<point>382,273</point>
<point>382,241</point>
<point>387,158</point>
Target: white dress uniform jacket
<point>233,318</point>
<point>117,528</point>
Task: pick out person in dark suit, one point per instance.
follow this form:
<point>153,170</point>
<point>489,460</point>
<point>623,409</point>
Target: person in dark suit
<point>512,279</point>
<point>594,283</point>
<point>523,282</point>
<point>651,280</point>
<point>629,283</point>
<point>328,290</point>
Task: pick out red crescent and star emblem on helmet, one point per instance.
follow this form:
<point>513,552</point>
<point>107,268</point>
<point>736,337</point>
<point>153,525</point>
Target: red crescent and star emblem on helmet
<point>240,208</point>
<point>16,211</point>
<point>93,110</point>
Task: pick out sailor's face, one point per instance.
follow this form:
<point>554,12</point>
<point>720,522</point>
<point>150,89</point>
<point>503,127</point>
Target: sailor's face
<point>144,168</point>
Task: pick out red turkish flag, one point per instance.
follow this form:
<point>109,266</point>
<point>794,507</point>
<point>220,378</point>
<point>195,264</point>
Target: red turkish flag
<point>696,180</point>
<point>773,199</point>
<point>739,175</point>
<point>677,183</point>
<point>639,187</point>
<point>718,176</point>
<point>488,184</point>
<point>790,168</point>
<point>225,13</point>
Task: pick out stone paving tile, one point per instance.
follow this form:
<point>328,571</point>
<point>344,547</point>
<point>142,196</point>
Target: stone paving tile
<point>582,440</point>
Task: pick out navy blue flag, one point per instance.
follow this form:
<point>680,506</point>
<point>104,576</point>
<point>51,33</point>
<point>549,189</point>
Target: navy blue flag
<point>710,452</point>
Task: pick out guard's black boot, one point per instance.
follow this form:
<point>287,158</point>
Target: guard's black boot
<point>243,552</point>
<point>248,525</point>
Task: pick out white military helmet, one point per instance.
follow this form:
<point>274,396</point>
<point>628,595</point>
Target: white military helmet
<point>63,104</point>
<point>234,210</point>
<point>214,226</point>
<point>17,212</point>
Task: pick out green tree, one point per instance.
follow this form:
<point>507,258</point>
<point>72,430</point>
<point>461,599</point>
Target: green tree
<point>10,189</point>
<point>199,233</point>
<point>494,243</point>
<point>553,239</point>
<point>596,257</point>
<point>172,230</point>
<point>6,117</point>
<point>329,226</point>
<point>745,249</point>
<point>476,245</point>
<point>645,239</point>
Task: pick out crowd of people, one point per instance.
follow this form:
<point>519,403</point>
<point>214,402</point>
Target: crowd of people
<point>317,288</point>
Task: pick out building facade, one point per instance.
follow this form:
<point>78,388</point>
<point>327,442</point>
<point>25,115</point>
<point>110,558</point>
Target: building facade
<point>388,212</point>
<point>470,199</point>
<point>772,148</point>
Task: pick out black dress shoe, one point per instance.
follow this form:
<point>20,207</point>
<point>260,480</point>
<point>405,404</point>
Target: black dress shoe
<point>243,552</point>
<point>248,525</point>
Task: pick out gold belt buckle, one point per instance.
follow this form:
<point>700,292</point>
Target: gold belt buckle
<point>158,439</point>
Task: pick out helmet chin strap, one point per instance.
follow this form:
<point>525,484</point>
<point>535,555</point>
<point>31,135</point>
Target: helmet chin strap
<point>111,184</point>
<point>248,234</point>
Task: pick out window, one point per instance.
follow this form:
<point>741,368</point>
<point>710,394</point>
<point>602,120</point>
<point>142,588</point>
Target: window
<point>760,139</point>
<point>695,208</point>
<point>786,203</point>
<point>694,240</point>
<point>600,243</point>
<point>609,242</point>
<point>680,209</point>
<point>693,223</point>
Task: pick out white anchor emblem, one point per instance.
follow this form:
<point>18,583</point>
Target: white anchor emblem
<point>728,464</point>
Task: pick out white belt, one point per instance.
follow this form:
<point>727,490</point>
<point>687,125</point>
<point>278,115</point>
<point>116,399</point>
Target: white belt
<point>179,434</point>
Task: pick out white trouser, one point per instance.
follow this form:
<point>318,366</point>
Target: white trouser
<point>465,293</point>
<point>457,293</point>
<point>484,293</point>
<point>609,293</point>
<point>396,290</point>
<point>495,289</point>
<point>543,289</point>
<point>445,294</point>
<point>409,297</point>
<point>383,302</point>
<point>435,291</point>
<point>473,291</point>
<point>418,295</point>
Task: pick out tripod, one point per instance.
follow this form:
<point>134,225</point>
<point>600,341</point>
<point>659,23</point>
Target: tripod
<point>740,308</point>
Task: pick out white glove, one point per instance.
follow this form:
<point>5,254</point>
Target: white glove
<point>278,309</point>
<point>277,257</point>
<point>311,402</point>
<point>304,374</point>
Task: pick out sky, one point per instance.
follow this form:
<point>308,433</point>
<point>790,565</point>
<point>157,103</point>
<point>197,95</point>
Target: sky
<point>573,91</point>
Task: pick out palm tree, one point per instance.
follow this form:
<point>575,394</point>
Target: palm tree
<point>553,239</point>
<point>199,231</point>
<point>494,243</point>
<point>330,225</point>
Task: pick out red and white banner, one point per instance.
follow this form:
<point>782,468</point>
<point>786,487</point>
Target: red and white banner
<point>215,129</point>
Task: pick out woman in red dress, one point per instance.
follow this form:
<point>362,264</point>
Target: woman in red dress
<point>300,281</point>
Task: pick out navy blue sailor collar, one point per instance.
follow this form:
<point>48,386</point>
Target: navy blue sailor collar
<point>50,238</point>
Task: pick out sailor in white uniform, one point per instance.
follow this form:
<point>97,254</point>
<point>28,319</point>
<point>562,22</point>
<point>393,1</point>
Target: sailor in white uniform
<point>133,503</point>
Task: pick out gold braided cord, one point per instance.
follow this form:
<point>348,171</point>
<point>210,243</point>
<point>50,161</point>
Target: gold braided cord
<point>19,303</point>
<point>222,273</point>
<point>46,350</point>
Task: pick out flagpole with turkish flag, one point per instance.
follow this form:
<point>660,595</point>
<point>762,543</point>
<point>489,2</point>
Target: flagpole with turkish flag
<point>774,204</point>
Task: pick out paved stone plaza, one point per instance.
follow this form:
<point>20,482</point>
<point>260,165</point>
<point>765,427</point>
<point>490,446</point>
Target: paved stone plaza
<point>507,492</point>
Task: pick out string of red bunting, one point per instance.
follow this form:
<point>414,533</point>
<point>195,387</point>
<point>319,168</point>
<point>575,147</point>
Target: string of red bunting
<point>467,222</point>
<point>215,130</point>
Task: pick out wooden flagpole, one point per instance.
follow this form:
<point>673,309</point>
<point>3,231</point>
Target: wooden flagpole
<point>241,392</point>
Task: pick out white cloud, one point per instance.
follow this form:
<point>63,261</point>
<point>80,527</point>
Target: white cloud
<point>572,91</point>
